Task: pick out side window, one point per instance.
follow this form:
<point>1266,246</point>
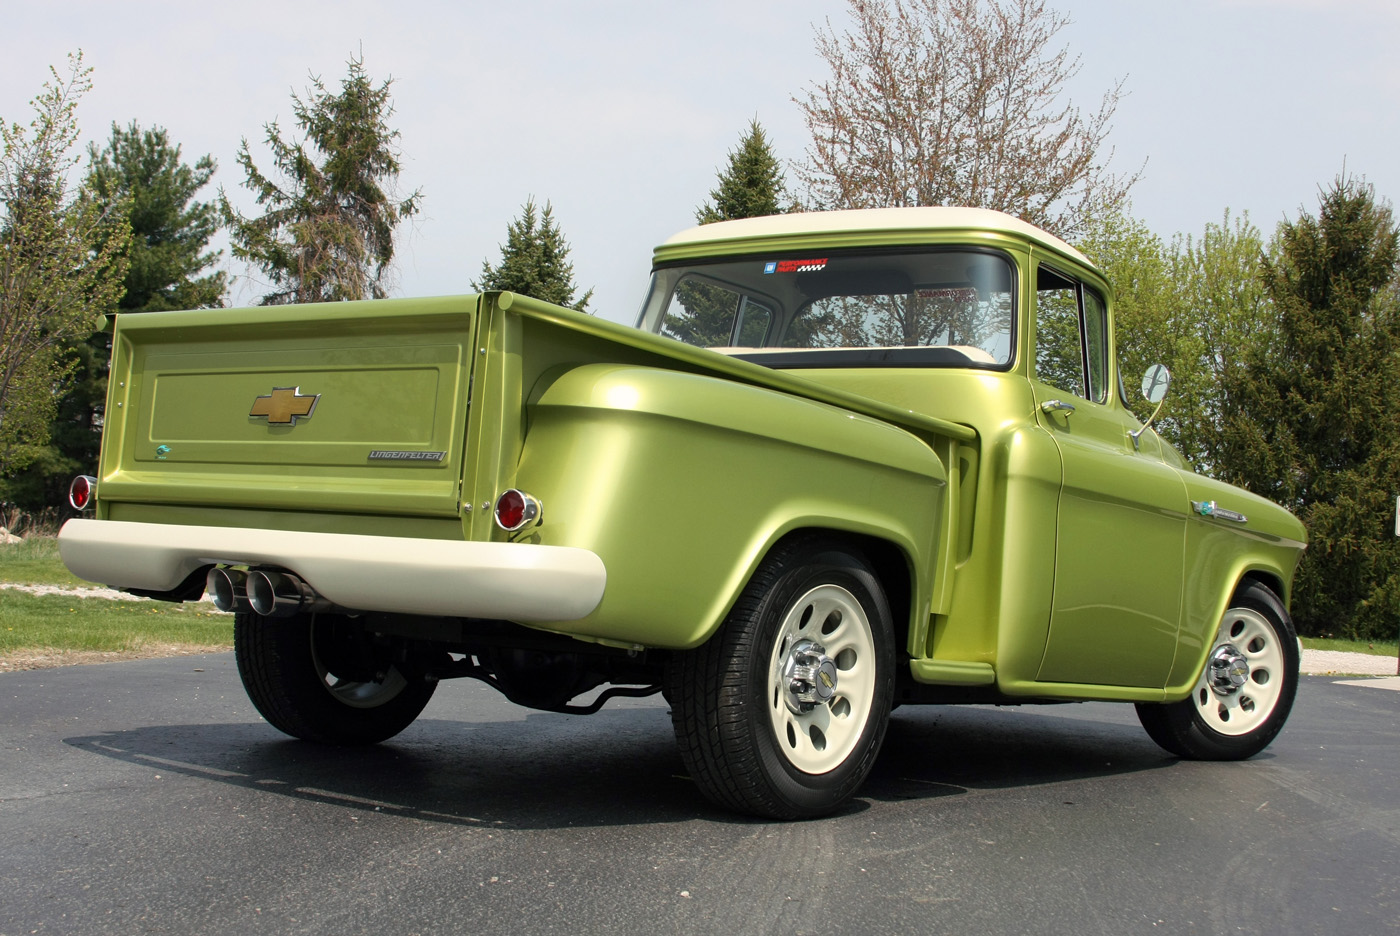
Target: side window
<point>1071,337</point>
<point>701,314</point>
<point>709,315</point>
<point>1059,354</point>
<point>1096,341</point>
<point>754,320</point>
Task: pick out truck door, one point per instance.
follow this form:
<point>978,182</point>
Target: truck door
<point>1121,524</point>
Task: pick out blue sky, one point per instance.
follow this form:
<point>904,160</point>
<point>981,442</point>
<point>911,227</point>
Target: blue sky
<point>620,112</point>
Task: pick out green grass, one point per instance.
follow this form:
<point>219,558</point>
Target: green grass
<point>1374,647</point>
<point>30,623</point>
<point>57,622</point>
<point>35,562</point>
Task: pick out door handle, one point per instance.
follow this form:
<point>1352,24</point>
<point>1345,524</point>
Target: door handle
<point>1050,406</point>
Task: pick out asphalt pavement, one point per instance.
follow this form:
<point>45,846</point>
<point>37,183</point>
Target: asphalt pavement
<point>148,797</point>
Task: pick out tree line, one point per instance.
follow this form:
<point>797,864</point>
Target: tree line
<point>1284,347</point>
<point>128,233</point>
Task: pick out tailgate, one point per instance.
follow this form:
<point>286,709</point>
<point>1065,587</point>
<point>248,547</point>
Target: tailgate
<point>349,407</point>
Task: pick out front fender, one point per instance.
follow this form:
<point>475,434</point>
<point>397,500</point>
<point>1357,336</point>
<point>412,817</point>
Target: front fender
<point>1220,553</point>
<point>680,483</point>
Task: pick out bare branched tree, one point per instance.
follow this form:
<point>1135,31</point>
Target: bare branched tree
<point>957,102</point>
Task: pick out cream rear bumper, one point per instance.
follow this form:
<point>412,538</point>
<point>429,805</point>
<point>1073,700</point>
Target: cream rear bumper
<point>508,581</point>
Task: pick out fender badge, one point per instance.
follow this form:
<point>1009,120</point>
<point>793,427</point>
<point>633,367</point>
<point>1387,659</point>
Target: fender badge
<point>284,405</point>
<point>385,456</point>
<point>162,452</point>
<point>1210,509</point>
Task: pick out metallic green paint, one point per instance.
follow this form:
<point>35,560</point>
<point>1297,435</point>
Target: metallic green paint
<point>390,374</point>
<point>1078,573</point>
<point>682,482</point>
<point>1045,555</point>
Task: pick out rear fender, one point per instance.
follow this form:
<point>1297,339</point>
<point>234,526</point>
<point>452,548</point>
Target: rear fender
<point>682,482</point>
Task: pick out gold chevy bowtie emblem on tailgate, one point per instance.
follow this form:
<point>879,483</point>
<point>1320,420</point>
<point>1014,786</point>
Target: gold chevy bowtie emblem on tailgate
<point>284,405</point>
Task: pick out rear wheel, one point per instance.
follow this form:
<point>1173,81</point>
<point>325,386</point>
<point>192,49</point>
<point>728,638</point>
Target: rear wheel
<point>781,714</point>
<point>322,678</point>
<point>1246,690</point>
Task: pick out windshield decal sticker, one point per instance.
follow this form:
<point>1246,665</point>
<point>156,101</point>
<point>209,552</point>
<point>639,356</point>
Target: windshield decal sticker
<point>795,266</point>
<point>957,293</point>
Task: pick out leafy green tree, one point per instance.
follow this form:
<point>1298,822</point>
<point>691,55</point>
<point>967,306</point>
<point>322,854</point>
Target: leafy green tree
<point>750,186</point>
<point>1315,421</point>
<point>535,261</point>
<point>327,233</point>
<point>140,173</point>
<point>1195,305</point>
<point>1224,314</point>
<point>62,264</point>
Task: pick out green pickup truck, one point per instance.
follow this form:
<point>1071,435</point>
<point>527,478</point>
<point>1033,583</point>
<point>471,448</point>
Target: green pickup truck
<point>845,461</point>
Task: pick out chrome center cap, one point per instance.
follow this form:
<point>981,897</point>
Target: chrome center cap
<point>1228,669</point>
<point>809,676</point>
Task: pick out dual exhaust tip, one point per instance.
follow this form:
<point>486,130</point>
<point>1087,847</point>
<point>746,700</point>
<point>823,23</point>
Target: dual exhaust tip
<point>271,594</point>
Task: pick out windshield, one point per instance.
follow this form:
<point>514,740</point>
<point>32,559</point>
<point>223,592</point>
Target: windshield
<point>950,307</point>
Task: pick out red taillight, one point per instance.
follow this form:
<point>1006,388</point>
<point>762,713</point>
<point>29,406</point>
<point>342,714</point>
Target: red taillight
<point>515,509</point>
<point>80,491</point>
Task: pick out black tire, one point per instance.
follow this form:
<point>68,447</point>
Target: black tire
<point>743,742</point>
<point>320,678</point>
<point>1257,642</point>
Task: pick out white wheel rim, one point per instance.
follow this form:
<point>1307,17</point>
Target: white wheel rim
<point>1240,711</point>
<point>819,740</point>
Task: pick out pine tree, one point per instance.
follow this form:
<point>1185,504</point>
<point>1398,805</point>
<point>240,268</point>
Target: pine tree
<point>328,230</point>
<point>535,261</point>
<point>1317,427</point>
<point>170,256</point>
<point>750,186</point>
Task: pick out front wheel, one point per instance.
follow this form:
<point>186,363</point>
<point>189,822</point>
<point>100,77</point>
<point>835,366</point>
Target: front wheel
<point>322,678</point>
<point>781,714</point>
<point>1246,690</point>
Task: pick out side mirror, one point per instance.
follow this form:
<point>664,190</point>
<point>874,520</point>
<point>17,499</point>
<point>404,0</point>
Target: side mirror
<point>1155,384</point>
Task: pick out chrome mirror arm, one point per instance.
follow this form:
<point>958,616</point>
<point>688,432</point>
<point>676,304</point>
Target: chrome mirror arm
<point>1155,384</point>
<point>1137,436</point>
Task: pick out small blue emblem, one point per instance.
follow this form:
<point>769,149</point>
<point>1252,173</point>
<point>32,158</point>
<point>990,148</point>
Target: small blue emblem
<point>161,452</point>
<point>770,267</point>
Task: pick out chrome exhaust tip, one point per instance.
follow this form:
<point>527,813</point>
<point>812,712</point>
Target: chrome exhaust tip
<point>281,594</point>
<point>228,588</point>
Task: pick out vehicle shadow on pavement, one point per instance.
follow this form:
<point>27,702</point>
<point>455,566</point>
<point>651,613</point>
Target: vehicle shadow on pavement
<point>542,771</point>
<point>933,751</point>
<point>611,769</point>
